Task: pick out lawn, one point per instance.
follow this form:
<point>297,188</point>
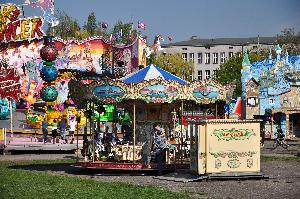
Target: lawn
<point>19,183</point>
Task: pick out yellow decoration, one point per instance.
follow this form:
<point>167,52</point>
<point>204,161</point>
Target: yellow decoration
<point>25,29</point>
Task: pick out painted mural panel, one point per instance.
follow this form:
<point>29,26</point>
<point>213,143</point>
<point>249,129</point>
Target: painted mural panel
<point>209,91</point>
<point>108,91</point>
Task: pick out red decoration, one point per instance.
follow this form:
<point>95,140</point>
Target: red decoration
<point>48,53</point>
<point>9,84</point>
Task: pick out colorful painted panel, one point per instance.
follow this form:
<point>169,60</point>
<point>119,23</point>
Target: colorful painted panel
<point>108,91</point>
<point>233,134</point>
<point>159,90</point>
<point>208,91</point>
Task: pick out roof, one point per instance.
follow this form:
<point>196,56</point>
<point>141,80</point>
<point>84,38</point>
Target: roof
<point>224,41</point>
<point>151,72</point>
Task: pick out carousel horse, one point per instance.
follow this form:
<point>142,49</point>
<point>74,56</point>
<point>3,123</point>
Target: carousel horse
<point>156,47</point>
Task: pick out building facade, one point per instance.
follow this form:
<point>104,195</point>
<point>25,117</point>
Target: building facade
<point>271,88</point>
<point>208,54</point>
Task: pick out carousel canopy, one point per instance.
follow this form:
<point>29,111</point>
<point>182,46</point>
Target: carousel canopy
<point>151,72</point>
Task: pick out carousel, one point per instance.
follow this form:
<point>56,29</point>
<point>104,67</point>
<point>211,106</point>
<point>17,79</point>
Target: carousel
<point>137,122</point>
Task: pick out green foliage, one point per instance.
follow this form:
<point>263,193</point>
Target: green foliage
<point>174,64</point>
<point>128,32</point>
<point>67,27</point>
<point>91,26</point>
<point>18,182</point>
<point>290,41</point>
<point>230,71</point>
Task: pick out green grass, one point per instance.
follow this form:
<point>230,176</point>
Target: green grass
<point>20,183</point>
<point>279,158</point>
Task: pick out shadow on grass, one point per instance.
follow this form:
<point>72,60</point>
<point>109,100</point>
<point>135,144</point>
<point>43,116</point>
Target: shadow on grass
<point>68,168</point>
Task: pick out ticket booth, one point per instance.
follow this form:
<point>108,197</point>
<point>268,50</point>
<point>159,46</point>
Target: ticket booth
<point>225,147</point>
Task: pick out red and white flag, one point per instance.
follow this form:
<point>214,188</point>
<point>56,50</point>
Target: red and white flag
<point>142,25</point>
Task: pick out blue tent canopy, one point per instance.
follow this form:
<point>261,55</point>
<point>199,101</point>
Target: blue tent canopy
<point>151,72</point>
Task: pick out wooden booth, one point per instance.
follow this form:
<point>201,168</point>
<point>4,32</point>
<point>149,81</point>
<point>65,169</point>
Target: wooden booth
<point>225,147</point>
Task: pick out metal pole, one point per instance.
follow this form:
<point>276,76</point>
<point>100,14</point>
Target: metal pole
<point>4,134</point>
<point>113,61</point>
<point>77,141</point>
<point>216,111</point>
<point>92,134</point>
<point>11,125</point>
<point>134,132</point>
<point>85,132</point>
<point>181,132</point>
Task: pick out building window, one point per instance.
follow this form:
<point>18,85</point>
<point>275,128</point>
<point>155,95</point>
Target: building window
<point>215,58</point>
<point>230,47</point>
<point>184,48</point>
<point>199,74</point>
<point>214,73</point>
<point>184,56</point>
<point>207,74</point>
<point>230,54</point>
<point>192,57</point>
<point>199,58</point>
<point>207,58</point>
<point>222,57</point>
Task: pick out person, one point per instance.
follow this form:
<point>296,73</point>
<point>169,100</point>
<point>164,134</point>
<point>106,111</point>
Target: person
<point>72,129</point>
<point>160,144</point>
<point>125,128</point>
<point>45,129</point>
<point>280,134</point>
<point>54,130</point>
<point>62,129</point>
<point>262,134</point>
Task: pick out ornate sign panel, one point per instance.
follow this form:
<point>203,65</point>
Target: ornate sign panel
<point>206,92</point>
<point>14,29</point>
<point>158,91</point>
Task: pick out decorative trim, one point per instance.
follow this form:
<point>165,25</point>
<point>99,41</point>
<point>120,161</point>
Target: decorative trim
<point>234,163</point>
<point>233,134</point>
<point>232,154</point>
<point>218,163</point>
<point>249,162</point>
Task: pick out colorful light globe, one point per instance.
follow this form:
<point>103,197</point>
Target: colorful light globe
<point>49,93</point>
<point>49,73</point>
<point>48,53</point>
<point>4,109</point>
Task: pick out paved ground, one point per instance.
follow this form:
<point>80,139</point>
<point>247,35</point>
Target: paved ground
<point>284,181</point>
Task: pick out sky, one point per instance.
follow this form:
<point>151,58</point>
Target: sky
<point>182,19</point>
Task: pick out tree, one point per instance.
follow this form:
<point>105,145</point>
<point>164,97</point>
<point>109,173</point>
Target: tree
<point>90,26</point>
<point>124,32</point>
<point>230,71</point>
<point>289,41</point>
<point>174,64</point>
<point>67,27</point>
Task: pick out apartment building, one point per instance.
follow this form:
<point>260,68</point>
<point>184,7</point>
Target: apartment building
<point>209,54</point>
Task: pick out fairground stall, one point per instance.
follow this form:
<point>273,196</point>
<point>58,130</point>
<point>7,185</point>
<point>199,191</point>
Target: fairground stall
<point>143,103</point>
<point>225,148</point>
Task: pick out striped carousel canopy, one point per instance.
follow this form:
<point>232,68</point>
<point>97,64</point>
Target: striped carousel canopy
<point>151,72</point>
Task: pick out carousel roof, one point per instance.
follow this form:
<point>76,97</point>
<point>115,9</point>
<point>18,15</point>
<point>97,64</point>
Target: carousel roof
<point>151,72</point>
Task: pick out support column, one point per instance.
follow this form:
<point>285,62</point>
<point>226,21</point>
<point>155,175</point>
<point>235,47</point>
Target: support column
<point>287,126</point>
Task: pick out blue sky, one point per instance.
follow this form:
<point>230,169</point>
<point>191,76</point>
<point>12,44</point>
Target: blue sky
<point>183,18</point>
